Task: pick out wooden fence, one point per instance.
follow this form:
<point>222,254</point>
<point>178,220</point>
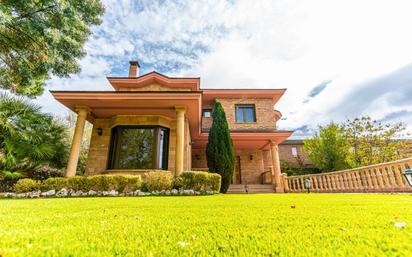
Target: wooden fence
<point>384,177</point>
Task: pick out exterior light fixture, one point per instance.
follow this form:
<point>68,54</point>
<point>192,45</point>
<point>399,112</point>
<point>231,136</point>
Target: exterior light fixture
<point>408,176</point>
<point>99,131</point>
<point>251,157</point>
<point>307,184</point>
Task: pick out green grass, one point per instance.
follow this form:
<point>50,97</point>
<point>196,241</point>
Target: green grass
<point>220,225</point>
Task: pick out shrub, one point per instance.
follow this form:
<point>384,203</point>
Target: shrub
<point>99,183</point>
<point>46,172</point>
<point>54,183</point>
<point>133,183</point>
<point>26,185</point>
<point>79,183</point>
<point>158,180</point>
<point>143,187</point>
<point>194,180</point>
<point>119,183</point>
<point>8,179</point>
<point>214,181</point>
<point>177,183</point>
<point>200,180</point>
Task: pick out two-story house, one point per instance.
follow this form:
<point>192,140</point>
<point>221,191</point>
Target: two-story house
<point>155,122</point>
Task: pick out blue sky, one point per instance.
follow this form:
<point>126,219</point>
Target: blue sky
<point>338,59</point>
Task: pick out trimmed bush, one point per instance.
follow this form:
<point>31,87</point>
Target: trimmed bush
<point>54,183</point>
<point>200,180</point>
<point>133,183</point>
<point>214,181</point>
<point>177,183</point>
<point>51,183</point>
<point>78,183</point>
<point>120,183</point>
<point>99,183</point>
<point>46,172</point>
<point>158,181</point>
<point>26,185</point>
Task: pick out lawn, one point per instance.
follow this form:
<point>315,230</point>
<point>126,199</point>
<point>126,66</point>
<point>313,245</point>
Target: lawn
<point>220,225</point>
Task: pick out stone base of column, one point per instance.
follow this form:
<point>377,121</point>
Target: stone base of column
<point>279,189</point>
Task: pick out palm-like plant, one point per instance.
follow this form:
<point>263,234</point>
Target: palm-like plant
<point>29,138</point>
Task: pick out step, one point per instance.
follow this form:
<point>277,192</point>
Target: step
<point>252,189</point>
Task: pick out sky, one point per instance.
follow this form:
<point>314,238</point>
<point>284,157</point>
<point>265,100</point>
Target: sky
<point>337,59</point>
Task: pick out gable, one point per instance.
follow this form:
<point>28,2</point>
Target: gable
<point>153,87</point>
<point>154,82</point>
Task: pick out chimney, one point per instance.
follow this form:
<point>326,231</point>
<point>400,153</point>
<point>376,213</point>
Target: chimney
<point>134,69</point>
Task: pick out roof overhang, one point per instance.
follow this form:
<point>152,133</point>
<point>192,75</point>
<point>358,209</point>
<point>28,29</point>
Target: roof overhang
<point>247,140</point>
<point>209,95</point>
<point>106,104</point>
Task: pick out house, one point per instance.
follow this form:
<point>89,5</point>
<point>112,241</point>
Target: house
<point>292,152</point>
<point>155,122</point>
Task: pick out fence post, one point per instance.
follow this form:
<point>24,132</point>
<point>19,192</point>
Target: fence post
<point>285,182</point>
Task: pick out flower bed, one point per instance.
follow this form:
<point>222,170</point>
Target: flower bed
<point>154,183</point>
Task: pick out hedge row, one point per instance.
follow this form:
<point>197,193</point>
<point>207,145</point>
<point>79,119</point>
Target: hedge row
<point>153,181</point>
<point>120,183</point>
<point>198,181</point>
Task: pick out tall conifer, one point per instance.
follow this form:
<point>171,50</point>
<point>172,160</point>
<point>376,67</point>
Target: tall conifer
<point>219,150</point>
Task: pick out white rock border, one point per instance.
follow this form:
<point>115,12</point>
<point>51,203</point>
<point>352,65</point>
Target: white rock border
<point>71,193</point>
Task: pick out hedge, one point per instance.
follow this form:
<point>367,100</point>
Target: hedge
<point>153,181</point>
<point>120,183</point>
<point>200,180</point>
<point>26,185</point>
<point>158,181</point>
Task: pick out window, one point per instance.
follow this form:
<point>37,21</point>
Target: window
<point>207,113</point>
<point>139,147</point>
<point>245,113</point>
<point>294,152</point>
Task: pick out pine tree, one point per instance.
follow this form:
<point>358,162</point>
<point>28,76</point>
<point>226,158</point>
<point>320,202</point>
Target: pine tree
<point>219,150</point>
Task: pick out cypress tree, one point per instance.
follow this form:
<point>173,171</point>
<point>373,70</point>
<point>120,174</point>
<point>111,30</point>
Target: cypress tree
<point>219,150</point>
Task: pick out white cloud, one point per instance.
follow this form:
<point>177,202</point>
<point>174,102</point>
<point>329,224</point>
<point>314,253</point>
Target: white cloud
<point>262,44</point>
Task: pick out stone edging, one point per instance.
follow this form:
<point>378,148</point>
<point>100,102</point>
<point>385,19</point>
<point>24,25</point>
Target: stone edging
<point>71,193</point>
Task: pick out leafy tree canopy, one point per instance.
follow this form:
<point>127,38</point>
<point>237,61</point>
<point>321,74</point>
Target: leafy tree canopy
<point>373,142</point>
<point>355,143</point>
<point>43,37</point>
<point>328,150</point>
<point>219,150</point>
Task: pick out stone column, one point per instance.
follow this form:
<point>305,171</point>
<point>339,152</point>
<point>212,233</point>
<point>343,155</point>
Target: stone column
<point>82,112</point>
<point>276,166</point>
<point>180,139</point>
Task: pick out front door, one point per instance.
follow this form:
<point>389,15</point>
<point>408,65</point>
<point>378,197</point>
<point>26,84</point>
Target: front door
<point>237,174</point>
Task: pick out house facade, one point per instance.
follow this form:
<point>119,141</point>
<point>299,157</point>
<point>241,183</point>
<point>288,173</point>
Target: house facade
<point>292,152</point>
<point>155,122</point>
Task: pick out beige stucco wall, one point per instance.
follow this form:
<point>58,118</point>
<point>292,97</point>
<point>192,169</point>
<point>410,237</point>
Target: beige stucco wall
<point>99,145</point>
<point>265,114</point>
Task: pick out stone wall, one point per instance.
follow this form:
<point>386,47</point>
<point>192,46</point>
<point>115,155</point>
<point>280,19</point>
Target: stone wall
<point>265,114</point>
<point>97,160</point>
